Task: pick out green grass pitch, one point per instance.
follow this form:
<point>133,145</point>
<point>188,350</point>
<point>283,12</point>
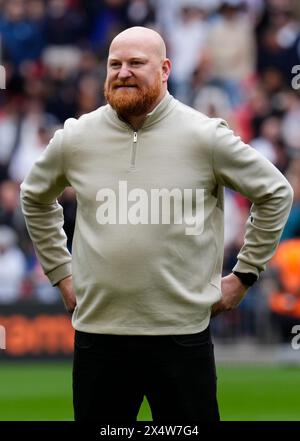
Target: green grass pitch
<point>42,391</point>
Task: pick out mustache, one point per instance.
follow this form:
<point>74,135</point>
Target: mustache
<point>123,84</point>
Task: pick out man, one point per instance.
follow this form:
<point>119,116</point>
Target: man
<point>147,253</point>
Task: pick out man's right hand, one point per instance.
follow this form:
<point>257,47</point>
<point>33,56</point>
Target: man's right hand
<point>68,295</point>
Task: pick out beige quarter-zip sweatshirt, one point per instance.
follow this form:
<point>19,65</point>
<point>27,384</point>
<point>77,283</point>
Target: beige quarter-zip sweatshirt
<point>148,243</point>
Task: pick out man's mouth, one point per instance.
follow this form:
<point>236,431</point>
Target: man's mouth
<point>125,86</point>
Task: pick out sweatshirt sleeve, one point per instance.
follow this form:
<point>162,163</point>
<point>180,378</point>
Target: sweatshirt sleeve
<point>243,169</point>
<point>43,214</point>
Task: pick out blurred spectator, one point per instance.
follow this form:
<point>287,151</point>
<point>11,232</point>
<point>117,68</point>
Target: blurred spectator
<point>10,129</point>
<point>291,126</point>
<point>89,94</point>
<point>186,40</point>
<point>64,25</point>
<point>279,39</point>
<point>9,204</point>
<point>12,266</point>
<point>284,298</point>
<point>236,213</point>
<point>212,101</point>
<point>60,88</point>
<point>36,129</point>
<point>231,49</point>
<point>43,291</point>
<point>11,215</point>
<point>22,36</point>
<point>269,142</point>
<point>109,18</point>
<point>140,13</point>
<point>292,227</point>
<point>265,143</point>
<point>36,10</point>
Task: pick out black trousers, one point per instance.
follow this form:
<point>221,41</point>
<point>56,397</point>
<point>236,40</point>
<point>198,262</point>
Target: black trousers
<point>113,373</point>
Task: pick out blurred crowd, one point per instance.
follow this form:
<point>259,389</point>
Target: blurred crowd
<point>233,59</point>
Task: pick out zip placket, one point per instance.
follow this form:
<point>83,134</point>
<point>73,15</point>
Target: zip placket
<point>133,151</point>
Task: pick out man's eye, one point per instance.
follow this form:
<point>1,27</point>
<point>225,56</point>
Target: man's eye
<point>136,63</point>
<point>115,65</point>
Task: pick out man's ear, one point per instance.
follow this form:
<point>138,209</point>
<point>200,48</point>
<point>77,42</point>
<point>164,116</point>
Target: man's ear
<point>166,69</point>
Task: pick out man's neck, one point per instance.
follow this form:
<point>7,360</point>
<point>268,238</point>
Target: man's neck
<point>135,122</point>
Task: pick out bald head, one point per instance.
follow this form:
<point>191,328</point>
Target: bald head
<point>141,38</point>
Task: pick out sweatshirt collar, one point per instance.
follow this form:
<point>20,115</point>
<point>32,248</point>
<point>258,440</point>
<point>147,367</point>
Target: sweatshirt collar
<point>159,112</point>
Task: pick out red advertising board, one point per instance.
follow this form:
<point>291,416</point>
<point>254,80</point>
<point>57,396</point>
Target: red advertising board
<point>35,331</point>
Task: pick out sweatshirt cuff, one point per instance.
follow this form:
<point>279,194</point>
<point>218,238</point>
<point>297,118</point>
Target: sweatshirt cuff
<point>243,267</point>
<point>59,273</point>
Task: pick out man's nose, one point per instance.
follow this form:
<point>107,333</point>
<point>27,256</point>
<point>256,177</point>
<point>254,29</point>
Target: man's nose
<point>124,72</point>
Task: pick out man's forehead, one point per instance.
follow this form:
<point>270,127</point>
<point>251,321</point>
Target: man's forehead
<point>128,53</point>
<point>131,48</point>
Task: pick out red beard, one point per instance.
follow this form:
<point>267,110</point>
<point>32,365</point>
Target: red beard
<point>135,101</point>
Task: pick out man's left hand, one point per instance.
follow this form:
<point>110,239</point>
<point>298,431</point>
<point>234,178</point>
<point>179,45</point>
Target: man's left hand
<point>233,292</point>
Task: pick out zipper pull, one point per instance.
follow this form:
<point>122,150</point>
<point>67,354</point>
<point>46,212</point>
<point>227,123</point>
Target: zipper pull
<point>133,152</point>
